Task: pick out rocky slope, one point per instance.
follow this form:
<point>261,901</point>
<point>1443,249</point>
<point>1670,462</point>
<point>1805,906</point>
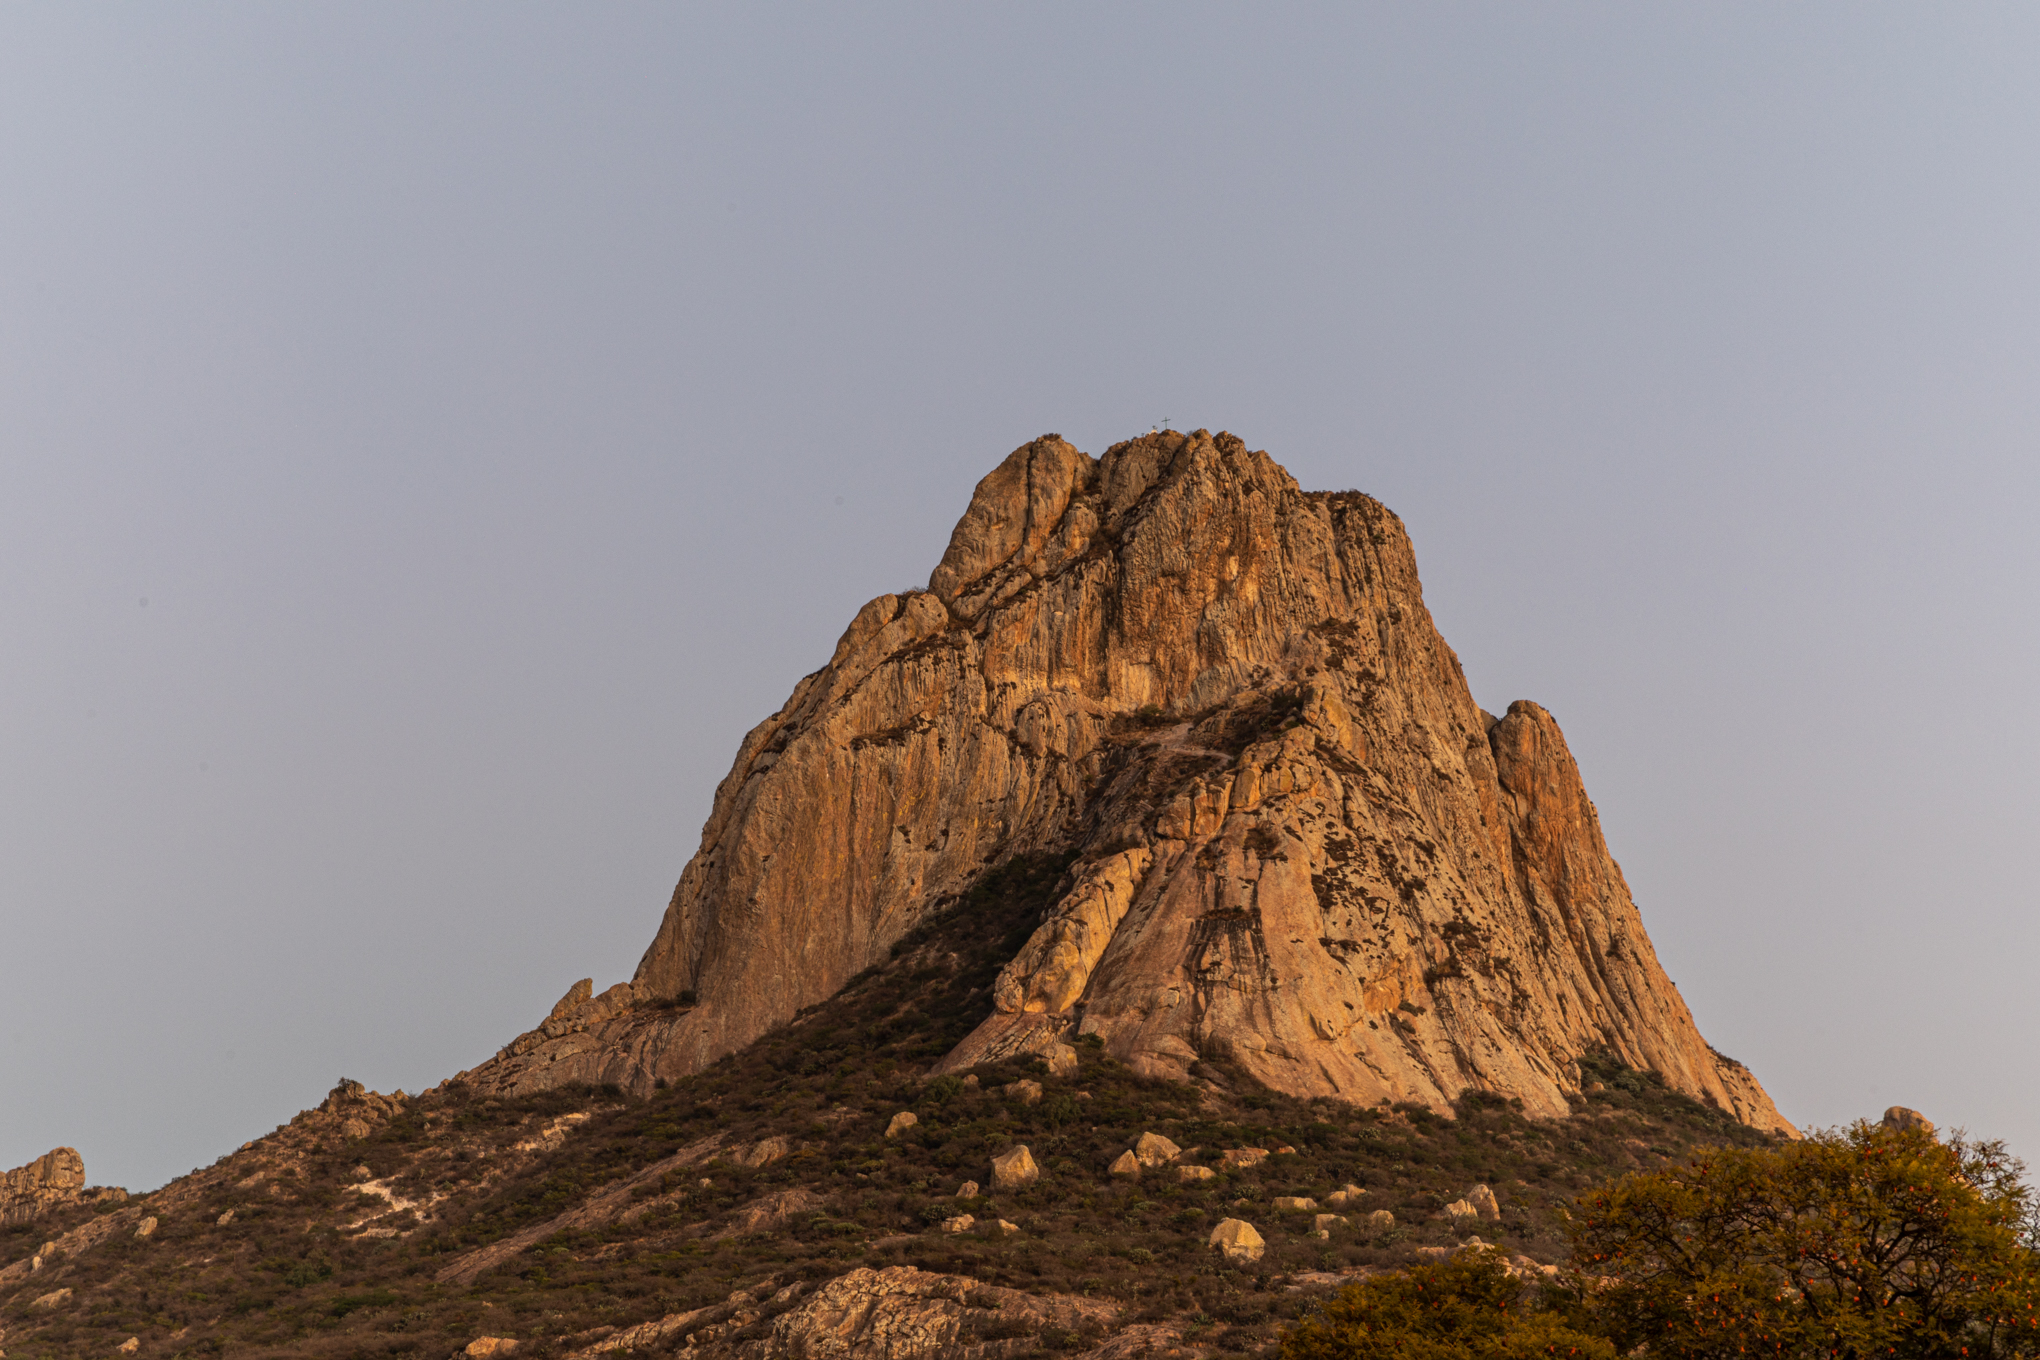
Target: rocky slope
<point>1295,843</point>
<point>819,1194</point>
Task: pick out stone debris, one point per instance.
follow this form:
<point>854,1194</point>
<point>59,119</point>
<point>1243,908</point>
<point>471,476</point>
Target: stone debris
<point>901,1122</point>
<point>1236,1238</point>
<point>1187,1173</point>
<point>1011,1170</point>
<point>962,1223</point>
<point>1238,1159</point>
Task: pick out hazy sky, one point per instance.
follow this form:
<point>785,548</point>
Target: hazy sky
<point>430,435</point>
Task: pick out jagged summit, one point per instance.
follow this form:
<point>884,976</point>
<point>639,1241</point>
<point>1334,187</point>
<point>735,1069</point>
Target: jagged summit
<point>1294,841</point>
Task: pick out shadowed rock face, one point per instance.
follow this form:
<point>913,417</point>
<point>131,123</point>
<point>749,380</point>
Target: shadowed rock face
<point>1299,844</point>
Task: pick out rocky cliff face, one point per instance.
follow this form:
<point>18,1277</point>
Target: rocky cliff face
<point>1297,844</point>
<point>54,1180</point>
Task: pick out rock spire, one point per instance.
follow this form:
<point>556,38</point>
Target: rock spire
<point>1296,843</point>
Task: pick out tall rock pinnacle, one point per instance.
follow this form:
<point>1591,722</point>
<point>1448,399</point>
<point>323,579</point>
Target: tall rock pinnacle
<point>1298,844</point>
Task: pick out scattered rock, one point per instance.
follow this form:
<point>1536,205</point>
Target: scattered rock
<point>1241,1158</point>
<point>1236,1238</point>
<point>1294,1204</point>
<point>1026,1090</point>
<point>968,1190</point>
<point>1155,1150</point>
<point>1347,1194</point>
<point>129,1346</point>
<point>1008,1228</point>
<point>901,1122</point>
<point>1285,1151</point>
<point>962,1223</point>
<point>484,1346</point>
<point>224,1219</point>
<point>1899,1117</point>
<point>970,1083</point>
<point>146,1227</point>
<point>1381,1218</point>
<point>771,1213</point>
<point>1062,1060</point>
<point>1126,1165</point>
<point>1460,1211</point>
<point>1010,1170</point>
<point>1483,1200</point>
<point>55,1298</point>
<point>1188,1173</point>
<point>1325,1222</point>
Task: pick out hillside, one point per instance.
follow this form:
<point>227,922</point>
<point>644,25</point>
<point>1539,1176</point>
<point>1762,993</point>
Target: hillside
<point>759,1208</point>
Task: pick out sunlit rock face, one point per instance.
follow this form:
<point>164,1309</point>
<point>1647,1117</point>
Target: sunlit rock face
<point>1299,846</point>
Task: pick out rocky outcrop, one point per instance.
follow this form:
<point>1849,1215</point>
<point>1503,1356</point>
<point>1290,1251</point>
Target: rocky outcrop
<point>54,1180</point>
<point>1299,846</point>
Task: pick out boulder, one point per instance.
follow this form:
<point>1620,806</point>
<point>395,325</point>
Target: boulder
<point>1025,1090</point>
<point>1154,1150</point>
<point>1011,1170</point>
<point>1237,1240</point>
<point>764,1152</point>
<point>1381,1218</point>
<point>129,1346</point>
<point>1461,1213</point>
<point>54,1299</point>
<point>146,1227</point>
<point>1347,1194</point>
<point>1899,1117</point>
<point>1484,1203</point>
<point>224,1219</point>
<point>1294,1204</point>
<point>1061,1060</point>
<point>1188,1173</point>
<point>484,1347</point>
<point>962,1223</point>
<point>1324,1223</point>
<point>1008,1229</point>
<point>1127,1165</point>
<point>1238,1159</point>
<point>968,1190</point>
<point>901,1122</point>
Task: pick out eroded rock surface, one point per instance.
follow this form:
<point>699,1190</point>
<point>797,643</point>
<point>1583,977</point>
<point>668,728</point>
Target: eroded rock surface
<point>55,1179</point>
<point>1299,844</point>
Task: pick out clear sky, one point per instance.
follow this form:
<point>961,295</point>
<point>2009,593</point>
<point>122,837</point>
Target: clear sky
<point>431,434</point>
